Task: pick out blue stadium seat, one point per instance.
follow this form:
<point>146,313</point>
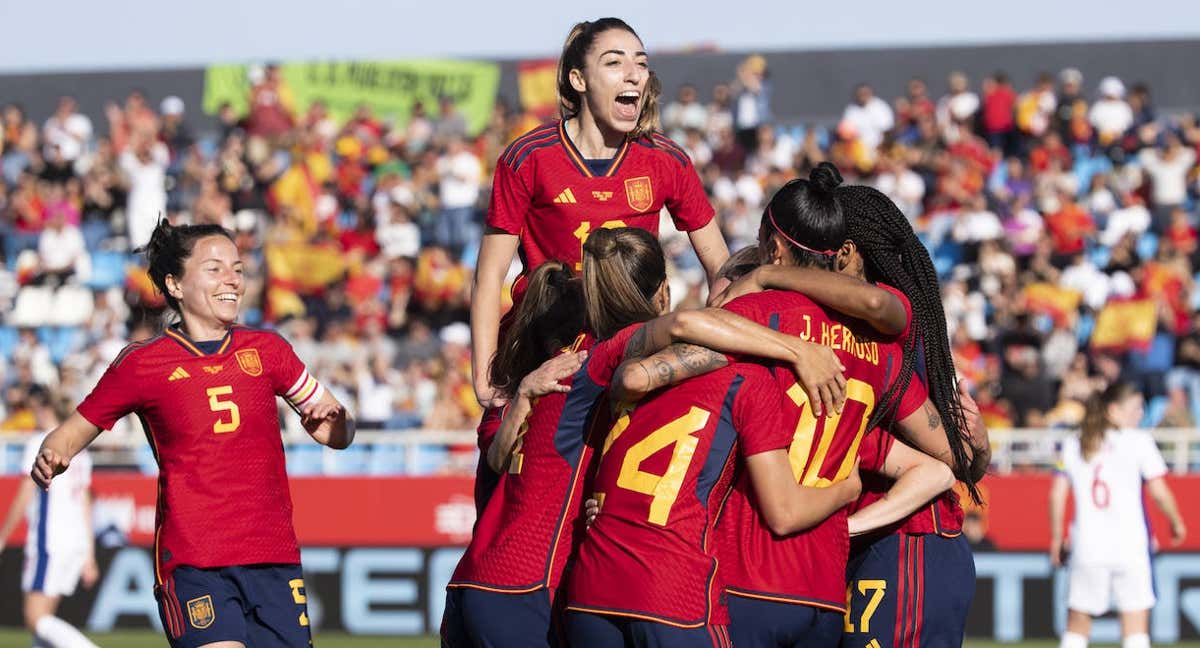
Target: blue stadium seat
<point>1156,409</point>
<point>304,459</point>
<point>65,340</point>
<point>8,340</point>
<point>1147,245</point>
<point>1100,255</point>
<point>108,269</point>
<point>428,459</point>
<point>351,461</point>
<point>1084,327</point>
<point>386,459</point>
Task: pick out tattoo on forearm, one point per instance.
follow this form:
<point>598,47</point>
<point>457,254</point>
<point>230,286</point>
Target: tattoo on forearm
<point>935,421</point>
<point>664,373</point>
<point>636,346</point>
<point>697,360</point>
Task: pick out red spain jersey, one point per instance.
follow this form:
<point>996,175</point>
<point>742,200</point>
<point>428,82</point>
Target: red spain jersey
<point>545,193</point>
<point>527,530</point>
<point>213,424</point>
<point>664,471</point>
<point>807,567</point>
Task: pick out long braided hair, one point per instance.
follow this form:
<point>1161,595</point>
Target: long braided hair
<point>893,255</point>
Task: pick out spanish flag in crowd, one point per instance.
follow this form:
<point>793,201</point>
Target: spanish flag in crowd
<point>1049,299</point>
<point>1126,324</point>
<point>295,269</point>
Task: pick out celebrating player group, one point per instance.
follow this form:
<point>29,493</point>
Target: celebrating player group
<point>692,478</point>
<point>773,470</point>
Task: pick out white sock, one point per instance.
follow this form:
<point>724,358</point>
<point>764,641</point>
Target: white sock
<point>1072,640</point>
<point>1136,641</point>
<point>60,634</point>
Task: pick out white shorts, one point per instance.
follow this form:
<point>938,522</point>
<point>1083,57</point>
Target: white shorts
<point>54,574</point>
<point>1094,588</point>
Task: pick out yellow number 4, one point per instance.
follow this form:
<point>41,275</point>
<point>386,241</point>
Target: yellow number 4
<point>877,588</point>
<point>663,488</point>
<point>217,405</point>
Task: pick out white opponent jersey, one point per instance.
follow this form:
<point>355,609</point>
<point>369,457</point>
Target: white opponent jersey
<point>1110,525</point>
<point>56,518</point>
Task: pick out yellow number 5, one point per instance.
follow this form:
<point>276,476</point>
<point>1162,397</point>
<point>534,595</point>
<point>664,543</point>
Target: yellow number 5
<point>218,405</point>
<point>877,588</point>
<point>663,488</point>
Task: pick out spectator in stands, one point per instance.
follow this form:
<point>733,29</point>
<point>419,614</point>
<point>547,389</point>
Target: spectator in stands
<point>144,164</point>
<point>1167,167</point>
<point>1035,109</point>
<point>999,113</point>
<point>272,105</point>
<point>175,132</point>
<point>460,175</point>
<point>684,114</point>
<point>1111,116</point>
<point>752,101</point>
<point>870,116</point>
<point>124,124</point>
<point>450,125</point>
<point>61,249</point>
<point>959,106</point>
<point>68,130</point>
<point>1071,104</point>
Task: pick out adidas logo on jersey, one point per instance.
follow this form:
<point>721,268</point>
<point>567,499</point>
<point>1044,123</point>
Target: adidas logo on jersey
<point>566,197</point>
<point>178,374</point>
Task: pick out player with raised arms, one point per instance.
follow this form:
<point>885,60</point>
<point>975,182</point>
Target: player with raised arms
<point>503,590</point>
<point>227,566</point>
<point>1105,469</point>
<point>601,165</point>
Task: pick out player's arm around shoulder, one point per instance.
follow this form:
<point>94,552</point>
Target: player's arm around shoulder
<point>328,422</point>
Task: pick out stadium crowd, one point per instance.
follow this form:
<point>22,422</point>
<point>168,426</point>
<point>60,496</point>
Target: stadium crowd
<point>1042,206</point>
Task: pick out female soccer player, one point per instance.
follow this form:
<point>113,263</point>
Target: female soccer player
<point>503,590</point>
<point>59,545</point>
<point>600,166</point>
<point>646,573</point>
<point>1105,469</point>
<point>882,247</point>
<point>227,567</point>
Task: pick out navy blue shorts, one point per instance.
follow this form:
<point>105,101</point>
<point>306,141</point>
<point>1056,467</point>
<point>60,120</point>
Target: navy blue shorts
<point>258,605</point>
<point>910,591</point>
<point>476,618</point>
<point>587,630</point>
<point>771,624</point>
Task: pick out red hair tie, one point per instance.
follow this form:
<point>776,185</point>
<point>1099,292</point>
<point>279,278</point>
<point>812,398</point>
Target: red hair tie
<point>793,241</point>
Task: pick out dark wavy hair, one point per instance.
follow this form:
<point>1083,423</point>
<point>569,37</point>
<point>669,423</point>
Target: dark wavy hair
<point>168,249</point>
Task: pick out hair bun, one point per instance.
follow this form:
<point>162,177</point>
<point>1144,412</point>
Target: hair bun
<point>825,177</point>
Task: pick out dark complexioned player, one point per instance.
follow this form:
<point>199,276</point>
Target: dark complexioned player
<point>502,592</point>
<point>227,567</point>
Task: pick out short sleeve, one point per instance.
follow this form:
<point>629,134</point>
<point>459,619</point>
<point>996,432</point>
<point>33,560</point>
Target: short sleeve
<point>606,356</point>
<point>874,449</point>
<point>115,396</point>
<point>908,311</point>
<point>689,206</point>
<point>1150,461</point>
<point>912,399</point>
<point>758,412</point>
<point>510,201</point>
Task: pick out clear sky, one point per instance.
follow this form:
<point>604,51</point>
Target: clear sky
<point>97,34</point>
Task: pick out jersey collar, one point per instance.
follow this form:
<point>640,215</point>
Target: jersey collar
<point>190,346</point>
<point>577,157</point>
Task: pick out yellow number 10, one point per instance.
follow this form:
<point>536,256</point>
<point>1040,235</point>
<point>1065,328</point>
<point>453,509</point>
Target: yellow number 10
<point>663,488</point>
<point>218,405</point>
<point>806,430</point>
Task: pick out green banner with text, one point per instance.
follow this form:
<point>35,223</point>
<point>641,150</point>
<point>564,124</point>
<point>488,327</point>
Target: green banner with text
<point>389,87</point>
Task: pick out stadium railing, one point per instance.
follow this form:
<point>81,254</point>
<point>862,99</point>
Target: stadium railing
<point>442,452</point>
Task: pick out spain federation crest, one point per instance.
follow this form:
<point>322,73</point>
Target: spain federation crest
<point>249,361</point>
<point>200,612</point>
<point>639,193</point>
